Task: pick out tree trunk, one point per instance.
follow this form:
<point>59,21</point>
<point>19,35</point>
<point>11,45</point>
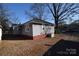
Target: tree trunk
<point>56,25</point>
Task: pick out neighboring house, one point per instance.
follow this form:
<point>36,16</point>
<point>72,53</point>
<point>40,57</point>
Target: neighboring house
<point>36,28</point>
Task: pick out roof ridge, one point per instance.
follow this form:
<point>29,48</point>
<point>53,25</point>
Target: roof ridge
<point>39,21</point>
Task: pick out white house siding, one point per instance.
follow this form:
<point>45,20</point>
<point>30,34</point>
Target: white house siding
<point>37,30</point>
<point>0,33</point>
<point>49,30</point>
<point>43,29</point>
<point>27,30</point>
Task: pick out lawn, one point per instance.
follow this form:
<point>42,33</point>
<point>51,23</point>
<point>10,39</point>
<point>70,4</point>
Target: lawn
<point>31,47</point>
<point>25,47</point>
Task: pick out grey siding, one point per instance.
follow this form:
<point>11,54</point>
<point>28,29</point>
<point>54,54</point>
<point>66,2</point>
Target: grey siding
<point>27,30</point>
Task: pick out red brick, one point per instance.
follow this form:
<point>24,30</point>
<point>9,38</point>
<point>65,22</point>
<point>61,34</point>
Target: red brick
<point>39,37</point>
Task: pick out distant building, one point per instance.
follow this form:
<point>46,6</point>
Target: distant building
<point>36,28</point>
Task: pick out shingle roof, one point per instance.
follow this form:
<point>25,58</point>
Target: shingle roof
<point>39,21</point>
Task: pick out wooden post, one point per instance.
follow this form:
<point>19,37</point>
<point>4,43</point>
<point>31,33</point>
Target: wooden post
<point>52,31</point>
<point>52,35</point>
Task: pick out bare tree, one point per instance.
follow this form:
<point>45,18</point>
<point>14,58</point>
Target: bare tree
<point>15,20</point>
<point>4,18</point>
<point>37,10</point>
<point>62,11</point>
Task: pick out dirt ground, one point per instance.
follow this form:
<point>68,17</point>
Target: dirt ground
<point>67,37</point>
<point>25,47</point>
<point>30,47</point>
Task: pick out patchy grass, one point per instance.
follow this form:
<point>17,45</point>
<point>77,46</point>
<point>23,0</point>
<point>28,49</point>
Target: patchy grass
<point>31,47</point>
<point>25,47</point>
<point>67,37</point>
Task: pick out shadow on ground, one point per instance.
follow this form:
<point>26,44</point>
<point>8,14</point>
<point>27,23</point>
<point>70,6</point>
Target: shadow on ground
<point>16,37</point>
<point>64,48</point>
